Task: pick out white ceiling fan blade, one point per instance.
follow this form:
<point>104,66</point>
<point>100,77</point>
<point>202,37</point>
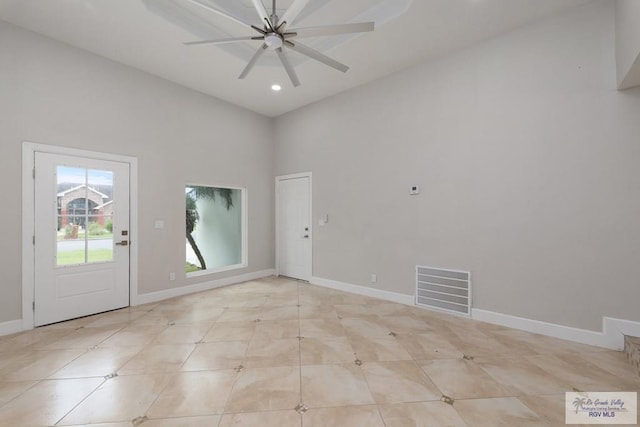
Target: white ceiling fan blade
<point>262,12</point>
<point>252,61</point>
<point>219,12</point>
<point>223,41</point>
<point>288,67</point>
<point>294,10</point>
<point>314,54</point>
<point>332,30</point>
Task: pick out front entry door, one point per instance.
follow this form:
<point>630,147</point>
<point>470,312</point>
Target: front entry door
<point>294,227</point>
<point>81,237</point>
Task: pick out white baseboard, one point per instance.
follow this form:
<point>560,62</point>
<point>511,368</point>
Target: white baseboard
<point>364,290</point>
<point>612,335</point>
<point>10,327</point>
<point>614,330</point>
<point>199,287</point>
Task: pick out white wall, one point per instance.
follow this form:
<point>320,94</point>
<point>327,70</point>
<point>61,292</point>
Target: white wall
<point>55,94</point>
<point>526,156</point>
<point>628,43</point>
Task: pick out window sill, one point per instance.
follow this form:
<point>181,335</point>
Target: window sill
<point>209,271</point>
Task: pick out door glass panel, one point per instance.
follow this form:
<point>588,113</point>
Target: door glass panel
<point>100,250</point>
<point>100,228</point>
<point>84,216</point>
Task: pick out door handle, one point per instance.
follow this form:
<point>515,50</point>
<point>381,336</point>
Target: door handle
<point>123,243</point>
<point>306,236</point>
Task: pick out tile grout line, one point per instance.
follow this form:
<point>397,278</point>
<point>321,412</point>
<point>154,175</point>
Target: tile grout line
<point>172,375</point>
<point>131,358</point>
<point>105,379</point>
<point>360,368</point>
<point>224,309</point>
<point>238,373</point>
<point>413,361</point>
<point>23,392</point>
<point>42,380</point>
<point>80,402</point>
<point>300,338</point>
<point>262,300</point>
<point>87,350</point>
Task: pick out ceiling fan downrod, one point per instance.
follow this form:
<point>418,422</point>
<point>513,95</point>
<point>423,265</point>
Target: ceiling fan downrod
<point>274,16</point>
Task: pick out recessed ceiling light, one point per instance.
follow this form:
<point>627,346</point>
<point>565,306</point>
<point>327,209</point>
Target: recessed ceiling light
<point>276,88</point>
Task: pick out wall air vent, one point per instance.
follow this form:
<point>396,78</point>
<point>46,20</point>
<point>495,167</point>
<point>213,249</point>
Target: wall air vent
<point>448,290</point>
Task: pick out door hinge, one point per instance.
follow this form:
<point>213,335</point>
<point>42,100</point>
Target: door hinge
<point>34,306</point>
<point>34,173</point>
<point>34,240</point>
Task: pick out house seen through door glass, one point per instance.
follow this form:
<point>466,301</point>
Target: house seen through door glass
<point>84,233</point>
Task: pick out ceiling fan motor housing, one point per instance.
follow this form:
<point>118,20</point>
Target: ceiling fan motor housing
<point>273,40</point>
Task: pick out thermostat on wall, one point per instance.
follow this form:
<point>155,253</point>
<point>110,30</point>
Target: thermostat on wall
<point>414,189</point>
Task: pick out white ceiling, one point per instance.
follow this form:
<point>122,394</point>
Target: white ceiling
<point>129,32</point>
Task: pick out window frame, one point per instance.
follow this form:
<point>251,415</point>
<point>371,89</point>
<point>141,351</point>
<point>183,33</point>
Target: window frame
<point>244,241</point>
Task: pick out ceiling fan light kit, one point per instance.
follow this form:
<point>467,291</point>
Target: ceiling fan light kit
<point>276,35</point>
<point>273,40</point>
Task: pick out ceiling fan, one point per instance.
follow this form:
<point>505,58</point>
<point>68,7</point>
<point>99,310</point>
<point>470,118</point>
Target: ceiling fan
<point>275,34</point>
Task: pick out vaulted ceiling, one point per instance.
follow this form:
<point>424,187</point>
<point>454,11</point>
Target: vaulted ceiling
<point>149,35</point>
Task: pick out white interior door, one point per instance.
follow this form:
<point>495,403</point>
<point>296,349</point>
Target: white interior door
<point>81,237</point>
<point>294,227</point>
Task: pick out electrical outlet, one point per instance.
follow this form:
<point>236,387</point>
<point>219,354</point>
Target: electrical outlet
<point>172,276</point>
<point>374,278</point>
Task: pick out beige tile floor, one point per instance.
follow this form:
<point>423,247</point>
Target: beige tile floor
<point>276,352</point>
